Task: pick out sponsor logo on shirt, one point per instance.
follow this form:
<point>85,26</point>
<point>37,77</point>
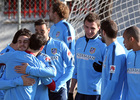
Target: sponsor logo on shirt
<point>85,57</point>
<point>54,57</point>
<point>92,50</point>
<point>48,59</point>
<point>129,63</point>
<point>133,70</point>
<point>57,34</point>
<point>112,68</point>
<point>69,53</point>
<point>69,39</point>
<point>54,50</point>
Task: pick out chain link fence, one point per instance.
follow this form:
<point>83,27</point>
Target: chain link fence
<point>16,14</point>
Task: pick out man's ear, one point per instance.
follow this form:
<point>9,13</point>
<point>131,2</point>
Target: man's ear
<point>132,39</point>
<point>103,32</point>
<point>48,29</point>
<point>98,28</point>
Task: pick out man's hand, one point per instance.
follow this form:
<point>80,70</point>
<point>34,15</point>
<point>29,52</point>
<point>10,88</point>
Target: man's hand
<point>21,68</point>
<point>98,67</point>
<point>70,96</point>
<point>27,81</point>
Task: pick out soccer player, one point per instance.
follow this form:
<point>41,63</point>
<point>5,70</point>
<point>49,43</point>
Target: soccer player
<point>88,50</point>
<point>132,41</point>
<point>5,84</point>
<point>61,29</point>
<point>114,64</point>
<point>28,56</point>
<point>60,55</point>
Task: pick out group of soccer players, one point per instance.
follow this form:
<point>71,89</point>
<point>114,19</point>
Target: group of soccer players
<point>39,66</point>
<point>59,54</point>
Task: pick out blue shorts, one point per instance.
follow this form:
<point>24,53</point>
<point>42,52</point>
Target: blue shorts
<point>60,95</point>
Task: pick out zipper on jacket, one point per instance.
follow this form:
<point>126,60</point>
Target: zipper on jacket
<point>88,40</point>
<point>86,44</point>
<point>135,59</point>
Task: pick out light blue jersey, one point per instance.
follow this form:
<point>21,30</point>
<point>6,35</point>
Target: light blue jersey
<point>2,66</point>
<point>133,76</point>
<point>16,58</point>
<point>86,53</point>
<point>65,32</point>
<point>7,49</point>
<point>113,72</point>
<point>42,90</point>
<point>6,83</point>
<point>60,55</point>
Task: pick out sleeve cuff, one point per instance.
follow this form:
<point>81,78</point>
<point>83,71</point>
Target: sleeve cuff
<point>46,81</point>
<point>28,69</point>
<point>18,81</point>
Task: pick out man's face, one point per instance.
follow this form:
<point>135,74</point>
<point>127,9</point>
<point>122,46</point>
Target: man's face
<point>127,42</point>
<point>91,29</point>
<point>23,43</point>
<point>42,29</point>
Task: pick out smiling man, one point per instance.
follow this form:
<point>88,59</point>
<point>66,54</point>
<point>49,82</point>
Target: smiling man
<point>86,55</point>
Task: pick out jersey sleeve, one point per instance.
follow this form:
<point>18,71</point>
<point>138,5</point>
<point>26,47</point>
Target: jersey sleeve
<point>119,72</point>
<point>7,84</point>
<point>4,57</point>
<point>69,60</point>
<point>125,90</point>
<point>69,37</point>
<point>41,72</point>
<point>75,69</point>
<point>46,80</point>
<point>107,94</point>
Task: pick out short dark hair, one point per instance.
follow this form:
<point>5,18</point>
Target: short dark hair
<point>41,22</point>
<point>61,8</point>
<point>92,17</point>
<point>21,32</point>
<point>37,41</point>
<point>133,31</point>
<point>110,28</point>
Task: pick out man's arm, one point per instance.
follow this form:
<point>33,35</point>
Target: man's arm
<point>69,37</point>
<point>112,83</point>
<point>23,80</point>
<point>36,71</point>
<point>73,85</point>
<point>72,88</point>
<point>110,88</point>
<point>69,61</point>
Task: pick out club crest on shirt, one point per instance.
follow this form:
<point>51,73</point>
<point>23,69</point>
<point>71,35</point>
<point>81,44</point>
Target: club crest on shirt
<point>92,50</point>
<point>54,50</point>
<point>69,39</point>
<point>112,68</point>
<point>57,34</point>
